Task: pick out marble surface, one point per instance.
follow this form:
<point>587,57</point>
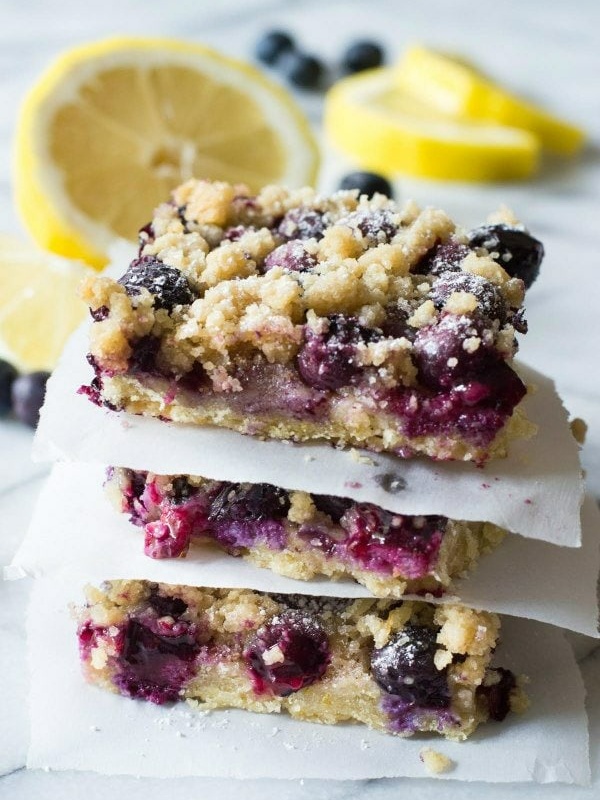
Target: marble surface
<point>554,56</point>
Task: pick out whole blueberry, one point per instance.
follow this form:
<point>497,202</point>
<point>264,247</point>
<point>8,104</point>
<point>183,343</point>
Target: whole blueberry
<point>248,502</point>
<point>328,360</point>
<point>168,285</point>
<point>304,71</point>
<point>272,45</point>
<point>377,226</point>
<point>405,667</point>
<point>288,653</point>
<point>519,253</point>
<point>368,183</point>
<point>302,223</point>
<point>443,257</point>
<point>28,392</point>
<point>291,256</point>
<point>491,302</point>
<point>362,55</point>
<point>7,377</point>
<point>440,354</point>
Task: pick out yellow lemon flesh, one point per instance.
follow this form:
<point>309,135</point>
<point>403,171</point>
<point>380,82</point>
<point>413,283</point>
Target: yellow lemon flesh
<point>456,88</point>
<point>113,126</point>
<point>39,306</point>
<point>388,130</point>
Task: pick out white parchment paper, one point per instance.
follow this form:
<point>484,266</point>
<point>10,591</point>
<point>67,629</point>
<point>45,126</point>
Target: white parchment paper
<point>537,491</point>
<point>76,534</point>
<point>75,726</point>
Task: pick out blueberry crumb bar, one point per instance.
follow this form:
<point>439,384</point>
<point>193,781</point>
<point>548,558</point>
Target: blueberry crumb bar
<point>399,667</point>
<point>300,535</point>
<point>294,315</point>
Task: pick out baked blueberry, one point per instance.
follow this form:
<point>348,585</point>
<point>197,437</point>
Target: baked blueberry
<point>168,285</point>
<point>328,360</point>
<point>8,375</point>
<point>490,300</point>
<point>272,45</point>
<point>368,183</point>
<point>288,653</point>
<point>291,256</point>
<point>362,55</point>
<point>302,223</point>
<point>519,253</point>
<point>404,667</point>
<point>443,257</point>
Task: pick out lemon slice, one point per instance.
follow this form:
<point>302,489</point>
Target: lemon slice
<point>39,306</point>
<point>113,126</point>
<point>387,130</point>
<point>456,88</point>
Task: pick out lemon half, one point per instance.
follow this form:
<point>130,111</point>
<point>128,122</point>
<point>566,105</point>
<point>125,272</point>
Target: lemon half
<point>388,130</point>
<point>39,306</point>
<point>113,126</point>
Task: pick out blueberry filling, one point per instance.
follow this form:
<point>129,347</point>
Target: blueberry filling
<point>287,654</point>
<point>168,285</point>
<point>384,542</point>
<point>328,360</point>
<point>496,691</point>
<point>156,666</point>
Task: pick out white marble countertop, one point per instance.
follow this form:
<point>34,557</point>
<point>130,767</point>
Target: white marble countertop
<point>553,53</point>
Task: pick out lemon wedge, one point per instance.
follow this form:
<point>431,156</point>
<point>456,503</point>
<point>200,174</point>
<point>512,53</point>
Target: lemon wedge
<point>388,130</point>
<point>113,126</point>
<point>456,88</point>
<point>39,306</point>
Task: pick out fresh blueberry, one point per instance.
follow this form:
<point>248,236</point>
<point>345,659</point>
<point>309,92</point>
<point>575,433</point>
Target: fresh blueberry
<point>272,45</point>
<point>287,654</point>
<point>304,71</point>
<point>515,250</point>
<point>8,375</point>
<point>368,183</point>
<point>168,285</point>
<point>302,223</point>
<point>362,55</point>
<point>291,256</point>
<point>404,667</point>
<point>443,257</point>
<point>27,393</point>
<point>491,302</point>
<point>328,360</point>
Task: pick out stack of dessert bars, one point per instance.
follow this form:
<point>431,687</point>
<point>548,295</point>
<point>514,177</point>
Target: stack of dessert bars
<point>343,320</point>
